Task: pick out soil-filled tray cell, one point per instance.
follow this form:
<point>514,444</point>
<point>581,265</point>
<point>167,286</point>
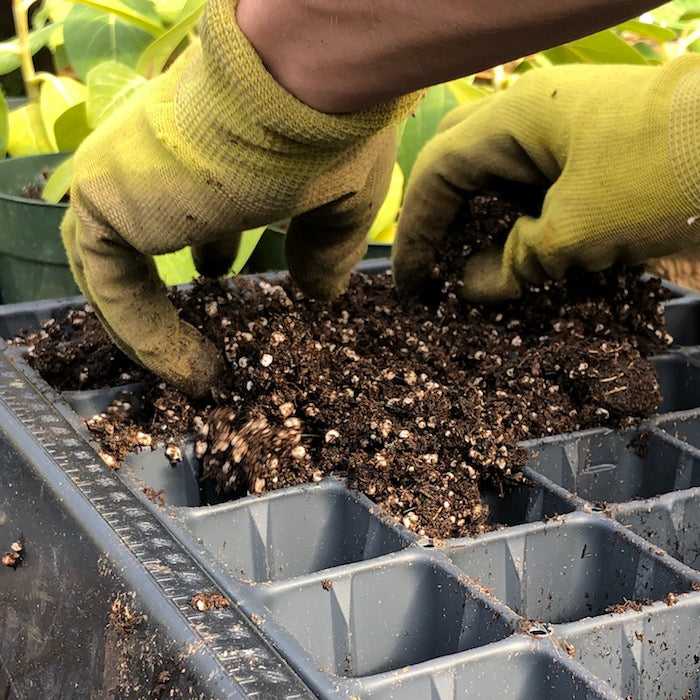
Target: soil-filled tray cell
<point>384,616</point>
<point>90,403</point>
<point>683,320</point>
<point>15,318</point>
<point>612,467</point>
<point>646,657</point>
<point>498,675</point>
<point>293,532</point>
<point>679,379</point>
<point>562,572</point>
<point>671,523</point>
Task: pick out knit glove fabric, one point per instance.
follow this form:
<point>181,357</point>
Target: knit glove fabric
<point>617,149</point>
<point>211,148</point>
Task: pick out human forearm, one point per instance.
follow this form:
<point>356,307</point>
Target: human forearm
<point>339,57</point>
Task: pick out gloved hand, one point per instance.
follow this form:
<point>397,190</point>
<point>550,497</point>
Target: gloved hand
<point>213,147</point>
<point>618,148</point>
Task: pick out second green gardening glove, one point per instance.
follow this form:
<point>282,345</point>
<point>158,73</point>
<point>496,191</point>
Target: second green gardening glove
<point>211,148</point>
<point>618,148</point>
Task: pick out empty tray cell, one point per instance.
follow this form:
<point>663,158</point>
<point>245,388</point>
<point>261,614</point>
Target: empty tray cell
<point>152,474</point>
<point>612,467</point>
<point>683,320</point>
<point>684,428</point>
<point>671,523</point>
<point>529,674</point>
<point>679,379</point>
<point>525,503</point>
<point>294,531</point>
<point>646,657</point>
<point>384,616</point>
<point>560,572</point>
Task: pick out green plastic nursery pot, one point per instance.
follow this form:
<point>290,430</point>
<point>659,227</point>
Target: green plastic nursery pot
<point>33,262</point>
<point>269,253</point>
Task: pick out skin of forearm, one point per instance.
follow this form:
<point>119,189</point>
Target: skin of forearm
<point>341,56</point>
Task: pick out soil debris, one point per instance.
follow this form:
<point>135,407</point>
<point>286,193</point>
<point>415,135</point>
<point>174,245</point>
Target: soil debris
<point>12,558</point>
<point>209,601</point>
<point>155,496</point>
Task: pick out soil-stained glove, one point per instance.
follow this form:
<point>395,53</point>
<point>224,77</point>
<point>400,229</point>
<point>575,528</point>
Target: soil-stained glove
<point>618,148</point>
<point>211,148</point>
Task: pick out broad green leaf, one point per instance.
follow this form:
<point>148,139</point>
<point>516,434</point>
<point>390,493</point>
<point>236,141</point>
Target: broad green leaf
<point>389,211</point>
<point>155,57</point>
<point>178,268</point>
<point>602,47</point>
<point>58,183</point>
<point>9,50</point>
<point>647,30</point>
<point>169,10</point>
<point>649,52</point>
<point>465,92</point>
<point>561,55</point>
<point>419,128</point>
<point>27,132</point>
<point>689,16</point>
<point>135,13</point>
<point>109,85</point>
<point>4,125</point>
<point>58,95</point>
<point>249,240</point>
<point>92,37</point>
<point>71,128</point>
<point>51,11</point>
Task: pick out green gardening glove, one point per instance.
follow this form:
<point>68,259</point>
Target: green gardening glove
<point>618,148</point>
<point>211,148</point>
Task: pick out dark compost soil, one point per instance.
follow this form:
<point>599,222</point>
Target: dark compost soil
<point>419,405</point>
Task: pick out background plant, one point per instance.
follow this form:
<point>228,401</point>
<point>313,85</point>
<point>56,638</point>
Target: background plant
<point>103,50</point>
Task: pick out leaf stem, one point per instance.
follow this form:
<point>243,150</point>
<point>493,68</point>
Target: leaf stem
<point>20,14</point>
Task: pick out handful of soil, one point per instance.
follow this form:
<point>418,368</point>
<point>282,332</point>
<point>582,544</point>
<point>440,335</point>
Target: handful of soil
<point>419,406</point>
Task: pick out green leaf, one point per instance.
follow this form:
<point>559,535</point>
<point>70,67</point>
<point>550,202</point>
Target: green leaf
<point>109,85</point>
<point>649,52</point>
<point>133,12</point>
<point>4,125</point>
<point>71,128</point>
<point>249,240</point>
<point>178,268</point>
<point>170,10</point>
<point>389,211</point>
<point>649,31</point>
<point>9,50</point>
<point>156,55</point>
<point>27,132</point>
<point>92,37</point>
<point>58,183</point>
<point>58,95</point>
<point>602,47</point>
<point>465,92</point>
<point>420,128</point>
<point>689,16</point>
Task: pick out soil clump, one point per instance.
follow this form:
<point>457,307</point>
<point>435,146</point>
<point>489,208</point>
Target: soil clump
<point>419,405</point>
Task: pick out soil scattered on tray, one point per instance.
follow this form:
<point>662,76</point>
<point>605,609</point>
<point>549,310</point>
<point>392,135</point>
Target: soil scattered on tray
<point>419,405</point>
<point>209,601</point>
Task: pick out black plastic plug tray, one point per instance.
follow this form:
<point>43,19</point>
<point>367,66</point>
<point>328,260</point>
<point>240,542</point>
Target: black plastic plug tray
<point>590,590</point>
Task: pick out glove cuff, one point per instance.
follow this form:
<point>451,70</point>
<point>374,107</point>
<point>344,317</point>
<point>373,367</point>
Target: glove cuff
<point>233,81</point>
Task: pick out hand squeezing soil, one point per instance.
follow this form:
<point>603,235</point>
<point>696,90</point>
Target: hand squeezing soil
<point>419,406</point>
